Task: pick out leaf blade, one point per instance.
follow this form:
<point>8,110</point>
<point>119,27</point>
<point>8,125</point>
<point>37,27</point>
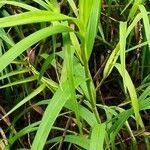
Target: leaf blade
<point>24,44</point>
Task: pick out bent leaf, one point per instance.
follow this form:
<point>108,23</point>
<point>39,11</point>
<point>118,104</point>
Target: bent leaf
<point>24,44</point>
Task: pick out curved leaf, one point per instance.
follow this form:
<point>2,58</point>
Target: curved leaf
<point>74,139</point>
<point>24,44</point>
<point>22,5</point>
<point>57,102</point>
<point>32,17</point>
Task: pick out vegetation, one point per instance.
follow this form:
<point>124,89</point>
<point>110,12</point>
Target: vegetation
<point>74,74</point>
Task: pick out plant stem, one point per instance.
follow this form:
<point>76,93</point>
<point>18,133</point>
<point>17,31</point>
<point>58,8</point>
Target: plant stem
<point>89,85</point>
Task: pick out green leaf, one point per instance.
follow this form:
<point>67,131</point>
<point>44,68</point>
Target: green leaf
<point>111,62</point>
<point>57,102</point>
<point>115,54</point>
<point>97,137</point>
<point>76,45</point>
<point>132,93</point>
<point>16,72</point>
<point>69,55</point>
<point>122,118</point>
<point>84,113</point>
<point>84,11</point>
<point>49,83</point>
<point>45,65</point>
<point>19,4</point>
<point>73,6</point>
<point>4,36</point>
<point>145,94</point>
<point>32,17</point>
<point>137,46</point>
<point>42,3</point>
<point>92,26</point>
<point>122,42</point>
<point>74,139</point>
<point>145,104</point>
<point>134,22</point>
<point>146,23</point>
<point>25,80</point>
<point>134,8</point>
<point>26,99</point>
<point>24,44</point>
<point>30,128</point>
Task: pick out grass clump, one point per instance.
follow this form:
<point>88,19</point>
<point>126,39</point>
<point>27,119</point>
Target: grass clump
<point>74,74</point>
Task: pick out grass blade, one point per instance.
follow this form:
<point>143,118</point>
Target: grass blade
<point>132,93</point>
<point>97,137</point>
<point>111,62</point>
<point>134,8</point>
<point>26,99</point>
<point>19,4</point>
<point>29,79</point>
<point>133,24</point>
<point>92,27</point>
<point>74,139</point>
<point>42,3</point>
<point>146,23</point>
<point>32,17</point>
<point>58,101</point>
<point>73,6</point>
<point>32,127</point>
<point>69,55</point>
<point>84,11</point>
<point>16,72</point>
<point>45,65</point>
<point>24,44</point>
<point>122,42</point>
<point>84,113</point>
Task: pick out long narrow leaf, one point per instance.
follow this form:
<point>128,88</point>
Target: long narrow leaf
<point>132,93</point>
<point>122,42</point>
<point>16,72</point>
<point>19,4</point>
<point>57,102</point>
<point>74,139</point>
<point>26,99</point>
<point>29,79</point>
<point>24,44</point>
<point>92,26</point>
<point>97,137</point>
<point>146,23</point>
<point>32,17</point>
<point>69,53</point>
<point>134,8</point>
<point>111,62</point>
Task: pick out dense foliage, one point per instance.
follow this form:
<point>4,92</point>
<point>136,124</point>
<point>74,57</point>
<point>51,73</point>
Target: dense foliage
<point>74,74</point>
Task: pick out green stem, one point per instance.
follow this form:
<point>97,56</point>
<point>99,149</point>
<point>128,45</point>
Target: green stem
<point>89,85</point>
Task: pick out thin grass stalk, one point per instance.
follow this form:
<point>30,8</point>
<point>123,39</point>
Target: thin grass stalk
<point>69,65</point>
<point>89,83</point>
